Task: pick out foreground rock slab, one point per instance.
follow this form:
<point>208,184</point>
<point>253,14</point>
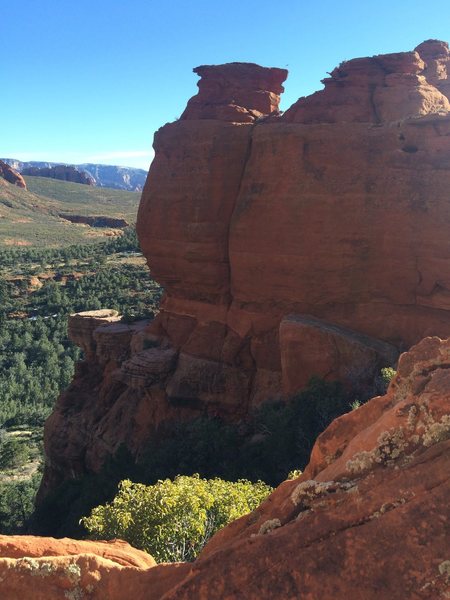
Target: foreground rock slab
<point>50,569</point>
<point>369,519</point>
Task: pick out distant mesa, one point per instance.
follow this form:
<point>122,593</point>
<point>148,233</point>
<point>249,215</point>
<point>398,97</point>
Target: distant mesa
<point>11,175</point>
<point>63,172</point>
<point>110,176</point>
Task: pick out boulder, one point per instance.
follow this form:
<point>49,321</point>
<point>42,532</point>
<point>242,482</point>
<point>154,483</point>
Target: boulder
<point>45,568</point>
<point>312,348</point>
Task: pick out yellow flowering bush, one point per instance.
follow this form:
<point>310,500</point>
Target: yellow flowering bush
<point>173,520</point>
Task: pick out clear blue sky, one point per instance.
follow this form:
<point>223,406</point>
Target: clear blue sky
<point>92,80</point>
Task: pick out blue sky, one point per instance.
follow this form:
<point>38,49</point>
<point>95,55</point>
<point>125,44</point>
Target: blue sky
<point>90,81</point>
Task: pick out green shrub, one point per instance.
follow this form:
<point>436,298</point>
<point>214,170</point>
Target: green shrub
<point>13,453</point>
<point>16,504</point>
<point>173,520</point>
<point>294,474</point>
<point>276,439</point>
<point>387,374</point>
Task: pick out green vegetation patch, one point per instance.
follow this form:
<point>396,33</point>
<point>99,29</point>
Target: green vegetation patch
<point>173,520</point>
<point>31,218</point>
<point>38,289</point>
<point>83,199</point>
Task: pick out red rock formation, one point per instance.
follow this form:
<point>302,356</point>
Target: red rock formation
<point>337,209</point>
<point>329,352</point>
<point>81,327</point>
<point>11,175</point>
<point>49,569</point>
<point>368,519</point>
<point>333,215</point>
<point>236,92</point>
<point>16,546</point>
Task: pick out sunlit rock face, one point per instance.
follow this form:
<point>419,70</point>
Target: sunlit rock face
<point>313,242</point>
<point>337,209</point>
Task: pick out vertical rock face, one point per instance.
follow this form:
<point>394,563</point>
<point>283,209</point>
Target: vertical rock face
<point>337,209</point>
<point>310,242</point>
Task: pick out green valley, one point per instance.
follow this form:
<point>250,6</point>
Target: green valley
<point>31,217</point>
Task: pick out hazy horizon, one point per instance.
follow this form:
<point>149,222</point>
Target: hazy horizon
<point>134,162</point>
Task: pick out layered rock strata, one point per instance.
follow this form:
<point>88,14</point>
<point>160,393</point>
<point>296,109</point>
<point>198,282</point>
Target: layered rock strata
<point>336,209</point>
<point>313,242</point>
<point>368,519</point>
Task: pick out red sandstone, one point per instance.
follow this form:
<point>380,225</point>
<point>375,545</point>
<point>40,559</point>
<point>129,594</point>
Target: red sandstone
<point>334,214</point>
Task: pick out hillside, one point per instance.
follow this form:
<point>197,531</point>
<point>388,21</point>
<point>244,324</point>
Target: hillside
<point>32,217</point>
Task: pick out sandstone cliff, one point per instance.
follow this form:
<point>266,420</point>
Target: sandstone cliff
<point>368,519</point>
<point>310,242</point>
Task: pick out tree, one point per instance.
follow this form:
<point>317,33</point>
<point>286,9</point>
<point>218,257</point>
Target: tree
<point>173,520</point>
<point>12,454</point>
<point>16,504</point>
